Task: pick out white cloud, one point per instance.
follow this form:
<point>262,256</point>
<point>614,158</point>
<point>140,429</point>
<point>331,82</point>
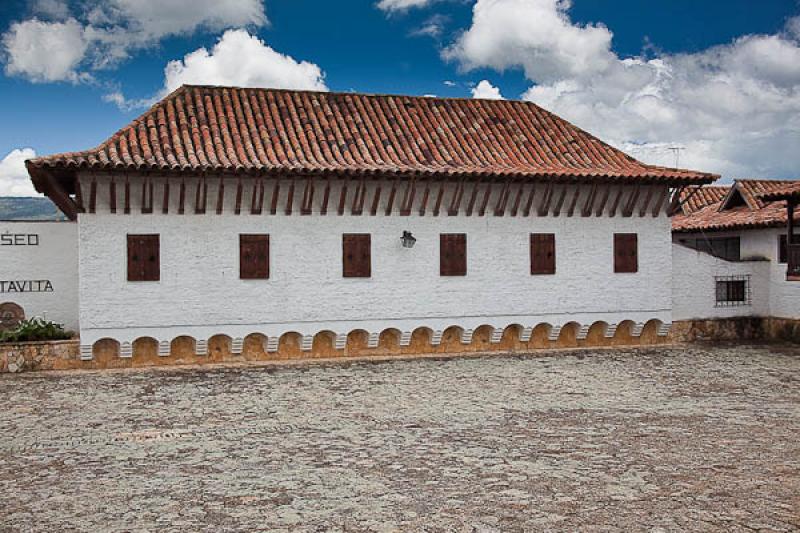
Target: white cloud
<point>734,109</point>
<point>118,98</point>
<point>155,19</point>
<point>533,34</point>
<point>237,59</point>
<point>104,33</point>
<point>401,5</point>
<point>44,51</point>
<point>243,60</point>
<point>120,26</point>
<point>487,91</point>
<point>53,9</point>
<point>432,27</point>
<point>14,179</point>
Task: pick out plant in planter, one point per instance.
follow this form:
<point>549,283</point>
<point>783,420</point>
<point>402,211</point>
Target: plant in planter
<point>36,329</point>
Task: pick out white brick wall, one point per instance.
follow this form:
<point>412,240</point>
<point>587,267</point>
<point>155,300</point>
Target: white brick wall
<point>53,258</point>
<point>200,293</point>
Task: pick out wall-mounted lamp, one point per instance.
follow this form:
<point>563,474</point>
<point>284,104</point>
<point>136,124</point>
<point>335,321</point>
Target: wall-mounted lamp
<point>408,240</point>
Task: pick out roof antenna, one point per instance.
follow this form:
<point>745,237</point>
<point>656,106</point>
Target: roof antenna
<point>676,150</point>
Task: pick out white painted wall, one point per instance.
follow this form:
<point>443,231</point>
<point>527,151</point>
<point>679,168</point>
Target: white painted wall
<point>200,293</point>
<point>38,252</point>
<point>694,289</point>
<point>783,296</point>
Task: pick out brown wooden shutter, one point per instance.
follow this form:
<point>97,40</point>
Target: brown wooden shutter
<point>543,253</point>
<point>144,263</point>
<point>453,254</point>
<point>626,254</point>
<point>356,255</point>
<point>254,256</point>
<point>783,256</point>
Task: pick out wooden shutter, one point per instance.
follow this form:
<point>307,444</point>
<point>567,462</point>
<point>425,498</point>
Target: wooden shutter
<point>453,254</point>
<point>543,253</point>
<point>356,255</point>
<point>254,256</point>
<point>783,255</point>
<point>626,256</point>
<point>144,262</point>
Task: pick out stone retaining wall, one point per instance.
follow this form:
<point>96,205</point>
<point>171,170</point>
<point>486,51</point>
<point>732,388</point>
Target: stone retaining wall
<point>737,329</point>
<point>30,356</point>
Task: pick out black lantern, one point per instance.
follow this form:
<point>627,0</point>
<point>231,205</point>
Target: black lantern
<point>408,240</point>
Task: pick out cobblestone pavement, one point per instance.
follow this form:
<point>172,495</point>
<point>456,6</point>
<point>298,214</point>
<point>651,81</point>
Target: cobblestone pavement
<point>667,439</point>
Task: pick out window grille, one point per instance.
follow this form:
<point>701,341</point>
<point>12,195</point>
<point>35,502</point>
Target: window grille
<point>733,291</point>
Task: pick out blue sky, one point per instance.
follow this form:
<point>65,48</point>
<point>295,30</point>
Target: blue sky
<point>645,76</point>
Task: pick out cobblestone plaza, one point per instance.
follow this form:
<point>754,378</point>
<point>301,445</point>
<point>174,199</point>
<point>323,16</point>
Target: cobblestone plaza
<point>662,439</point>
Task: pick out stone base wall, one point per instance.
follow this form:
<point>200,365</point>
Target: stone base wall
<point>30,356</point>
<point>764,329</point>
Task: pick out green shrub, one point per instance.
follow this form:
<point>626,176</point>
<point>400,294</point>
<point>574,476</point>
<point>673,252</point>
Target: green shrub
<point>35,329</point>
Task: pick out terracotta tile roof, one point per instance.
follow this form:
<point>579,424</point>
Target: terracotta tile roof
<point>697,198</point>
<point>268,131</point>
<point>782,193</point>
<point>752,212</point>
<point>752,190</point>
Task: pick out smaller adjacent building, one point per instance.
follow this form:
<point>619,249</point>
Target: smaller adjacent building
<point>732,255</point>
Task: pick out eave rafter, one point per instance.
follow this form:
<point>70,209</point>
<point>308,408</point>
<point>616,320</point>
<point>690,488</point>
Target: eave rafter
<point>549,196</point>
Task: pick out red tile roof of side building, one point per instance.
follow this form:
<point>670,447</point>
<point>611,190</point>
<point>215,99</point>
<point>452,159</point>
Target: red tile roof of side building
<point>744,205</point>
<point>278,132</point>
<point>791,191</point>
<point>697,197</point>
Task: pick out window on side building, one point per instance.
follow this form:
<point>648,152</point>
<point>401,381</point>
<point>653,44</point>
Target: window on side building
<point>453,254</point>
<point>254,256</point>
<point>732,291</point>
<point>728,248</point>
<point>626,253</point>
<point>356,255</point>
<point>783,255</point>
<point>144,263</point>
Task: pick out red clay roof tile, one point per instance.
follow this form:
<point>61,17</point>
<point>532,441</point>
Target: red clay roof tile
<point>782,193</point>
<point>696,198</point>
<point>757,212</point>
<point>263,131</point>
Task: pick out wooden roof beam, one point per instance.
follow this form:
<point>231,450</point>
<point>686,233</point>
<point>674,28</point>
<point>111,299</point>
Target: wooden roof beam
<point>425,195</point>
<point>560,203</point>
<point>544,207</point>
<point>574,202</point>
<point>588,204</point>
<point>603,200</point>
<point>376,201</point>
<point>529,202</point>
<point>165,198</point>
<point>646,202</point>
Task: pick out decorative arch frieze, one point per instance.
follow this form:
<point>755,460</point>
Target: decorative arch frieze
<point>454,338</point>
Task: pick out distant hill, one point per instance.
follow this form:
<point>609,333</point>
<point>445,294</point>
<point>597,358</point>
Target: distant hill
<point>26,208</point>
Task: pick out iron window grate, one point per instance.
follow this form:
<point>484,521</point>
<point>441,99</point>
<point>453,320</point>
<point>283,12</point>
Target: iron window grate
<point>733,291</point>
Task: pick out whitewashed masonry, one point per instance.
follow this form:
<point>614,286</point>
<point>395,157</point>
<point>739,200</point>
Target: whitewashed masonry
<point>199,293</point>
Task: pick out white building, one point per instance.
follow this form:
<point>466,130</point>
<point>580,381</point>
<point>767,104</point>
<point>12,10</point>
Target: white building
<point>39,274</point>
<point>732,254</point>
<point>278,216</point>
